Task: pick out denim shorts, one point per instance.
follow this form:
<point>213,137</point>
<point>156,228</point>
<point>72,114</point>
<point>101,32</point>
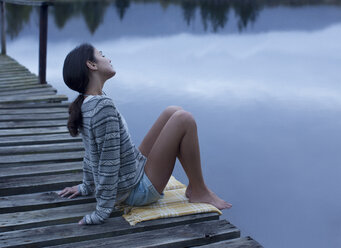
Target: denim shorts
<point>144,193</point>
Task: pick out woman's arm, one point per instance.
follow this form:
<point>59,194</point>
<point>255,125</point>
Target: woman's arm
<point>106,130</point>
<point>88,185</point>
<point>85,188</point>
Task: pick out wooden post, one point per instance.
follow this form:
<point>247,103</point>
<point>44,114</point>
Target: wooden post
<point>3,29</point>
<point>42,43</point>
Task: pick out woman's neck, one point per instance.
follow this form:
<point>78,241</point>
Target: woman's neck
<point>94,88</point>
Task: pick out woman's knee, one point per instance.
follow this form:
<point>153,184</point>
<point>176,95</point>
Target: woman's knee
<point>170,110</point>
<point>185,118</point>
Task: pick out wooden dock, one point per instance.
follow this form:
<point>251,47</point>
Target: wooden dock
<point>38,158</point>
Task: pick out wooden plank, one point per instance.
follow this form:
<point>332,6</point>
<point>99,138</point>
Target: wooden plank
<point>20,87</point>
<point>4,59</point>
<point>8,82</point>
<point>39,170</point>
<point>245,242</point>
<point>10,63</point>
<point>34,184</point>
<point>32,131</point>
<point>38,139</point>
<point>61,234</point>
<point>41,93</point>
<point>29,159</point>
<point>17,83</point>
<point>62,109</point>
<point>17,78</point>
<point>53,98</point>
<point>12,68</point>
<point>29,91</point>
<point>35,201</point>
<point>47,217</point>
<point>32,90</point>
<point>42,148</point>
<point>14,71</point>
<point>178,236</point>
<point>34,117</point>
<point>33,105</point>
<point>30,124</point>
<point>7,63</point>
<point>16,75</point>
<point>8,69</point>
<point>7,59</point>
<point>13,65</point>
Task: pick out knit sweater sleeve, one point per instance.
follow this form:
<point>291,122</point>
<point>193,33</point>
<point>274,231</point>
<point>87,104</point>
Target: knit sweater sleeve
<point>87,187</point>
<point>106,130</point>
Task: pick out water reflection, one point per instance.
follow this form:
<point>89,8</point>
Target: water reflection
<point>92,13</point>
<point>223,70</point>
<point>247,12</point>
<point>16,18</point>
<point>122,6</point>
<point>214,15</point>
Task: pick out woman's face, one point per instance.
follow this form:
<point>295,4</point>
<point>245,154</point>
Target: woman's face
<point>104,66</point>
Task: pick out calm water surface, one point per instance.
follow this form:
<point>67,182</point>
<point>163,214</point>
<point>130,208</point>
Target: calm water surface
<point>262,80</point>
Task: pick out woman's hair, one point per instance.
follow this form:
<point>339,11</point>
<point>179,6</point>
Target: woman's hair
<point>76,77</point>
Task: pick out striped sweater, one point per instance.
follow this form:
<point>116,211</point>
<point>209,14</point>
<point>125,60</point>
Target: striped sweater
<point>112,165</point>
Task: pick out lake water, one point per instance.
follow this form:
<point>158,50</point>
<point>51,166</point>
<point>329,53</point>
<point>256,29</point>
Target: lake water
<point>262,80</point>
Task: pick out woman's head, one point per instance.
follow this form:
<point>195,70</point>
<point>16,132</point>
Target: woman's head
<point>76,70</point>
<point>76,74</point>
<point>102,69</point>
<point>85,68</point>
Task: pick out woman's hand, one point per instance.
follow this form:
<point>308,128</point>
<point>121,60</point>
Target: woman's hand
<point>72,191</point>
<point>82,222</point>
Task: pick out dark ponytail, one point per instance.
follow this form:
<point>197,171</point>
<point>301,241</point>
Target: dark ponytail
<point>76,77</point>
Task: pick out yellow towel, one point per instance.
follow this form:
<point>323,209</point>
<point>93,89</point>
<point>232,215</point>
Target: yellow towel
<point>174,203</point>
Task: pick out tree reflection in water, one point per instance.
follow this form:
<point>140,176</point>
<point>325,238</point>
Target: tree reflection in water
<point>16,17</point>
<point>214,14</point>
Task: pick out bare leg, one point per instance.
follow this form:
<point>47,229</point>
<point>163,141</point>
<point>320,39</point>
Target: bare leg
<point>155,130</point>
<point>179,137</point>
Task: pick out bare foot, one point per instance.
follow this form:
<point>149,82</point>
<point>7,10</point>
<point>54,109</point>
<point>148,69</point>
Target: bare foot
<point>211,198</point>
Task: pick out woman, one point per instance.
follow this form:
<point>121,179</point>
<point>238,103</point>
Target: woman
<point>113,167</point>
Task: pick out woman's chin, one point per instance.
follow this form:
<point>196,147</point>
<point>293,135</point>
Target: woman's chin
<point>111,74</point>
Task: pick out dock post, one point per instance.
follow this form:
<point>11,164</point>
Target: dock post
<point>3,29</point>
<point>42,43</point>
